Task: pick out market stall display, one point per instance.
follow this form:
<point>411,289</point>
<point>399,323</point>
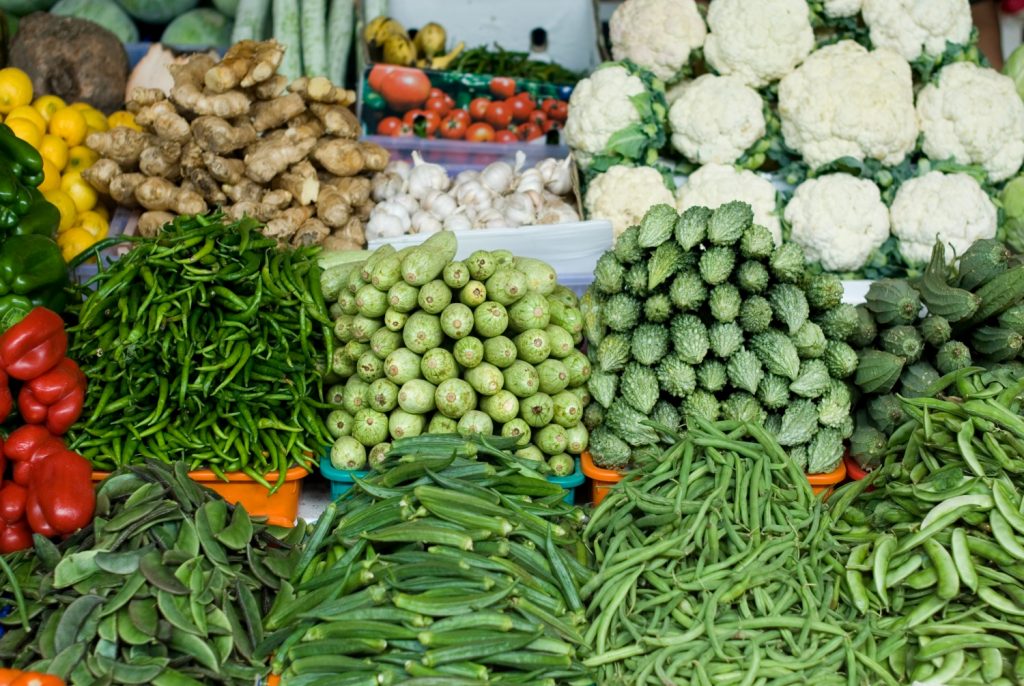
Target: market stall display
<point>429,344</point>
<point>237,134</point>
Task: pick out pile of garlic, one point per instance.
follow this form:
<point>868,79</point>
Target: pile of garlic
<point>421,198</point>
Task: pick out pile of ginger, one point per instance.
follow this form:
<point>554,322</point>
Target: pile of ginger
<point>235,134</point>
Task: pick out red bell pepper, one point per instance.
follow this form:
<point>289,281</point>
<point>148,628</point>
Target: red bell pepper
<point>55,398</point>
<point>26,446</point>
<point>34,345</point>
<point>62,485</point>
<point>13,498</point>
<point>6,399</point>
<point>36,518</point>
<point>14,537</point>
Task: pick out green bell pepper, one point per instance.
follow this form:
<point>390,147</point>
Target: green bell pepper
<point>30,263</point>
<point>42,218</point>
<point>25,157</point>
<point>13,308</point>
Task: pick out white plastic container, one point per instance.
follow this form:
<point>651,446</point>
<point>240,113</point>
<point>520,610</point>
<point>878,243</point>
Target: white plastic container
<point>571,248</point>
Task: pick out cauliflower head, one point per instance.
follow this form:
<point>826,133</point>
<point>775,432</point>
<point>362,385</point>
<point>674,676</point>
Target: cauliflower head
<point>759,41</point>
<point>975,116</point>
<point>613,100</point>
<point>838,220</point>
<point>716,119</point>
<point>917,27</point>
<point>835,9</point>
<point>846,101</point>
<point>658,35</point>
<point>952,208</point>
<point>716,184</point>
<point>622,195</point>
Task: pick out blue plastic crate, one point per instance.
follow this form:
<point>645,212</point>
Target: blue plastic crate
<point>570,482</point>
<point>342,480</point>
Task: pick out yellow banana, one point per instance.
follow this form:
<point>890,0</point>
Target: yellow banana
<point>445,61</point>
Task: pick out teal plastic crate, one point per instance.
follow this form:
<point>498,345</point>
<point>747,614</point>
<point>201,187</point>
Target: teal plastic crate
<point>342,480</point>
<point>570,482</point>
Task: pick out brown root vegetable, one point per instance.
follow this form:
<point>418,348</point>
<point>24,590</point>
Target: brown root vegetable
<point>307,125</point>
<point>320,89</point>
<point>374,156</point>
<point>333,207</point>
<point>224,169</point>
<point>284,225</point>
<point>279,198</point>
<point>155,193</point>
<point>337,120</point>
<point>356,189</point>
<point>214,134</point>
<point>75,59</point>
<point>245,190</point>
<point>120,144</point>
<point>271,88</point>
<point>161,160</point>
<point>301,181</point>
<point>339,156</point>
<point>352,233</point>
<point>272,154</point>
<point>312,232</point>
<point>122,188</point>
<point>207,186</point>
<point>258,211</point>
<point>150,223</point>
<point>101,174</point>
<point>246,63</point>
<point>271,114</point>
<point>163,118</point>
<point>141,98</point>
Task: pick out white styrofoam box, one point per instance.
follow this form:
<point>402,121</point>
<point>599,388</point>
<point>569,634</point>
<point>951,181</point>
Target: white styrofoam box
<point>855,291</point>
<point>571,25</point>
<point>571,248</point>
<point>457,156</point>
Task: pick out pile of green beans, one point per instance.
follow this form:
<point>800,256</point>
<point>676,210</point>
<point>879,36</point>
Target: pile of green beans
<point>716,566</point>
<point>497,60</point>
<point>938,544</point>
<point>441,570</point>
<point>205,344</point>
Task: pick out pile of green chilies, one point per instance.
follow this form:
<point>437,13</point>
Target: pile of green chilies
<point>203,344</point>
<point>441,570</point>
<point>716,566</point>
<point>497,60</point>
<point>937,547</point>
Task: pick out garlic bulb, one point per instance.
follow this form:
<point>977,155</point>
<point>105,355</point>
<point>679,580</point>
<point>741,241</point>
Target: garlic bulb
<point>490,219</point>
<point>498,177</point>
<point>474,194</point>
<point>519,210</point>
<point>557,175</point>
<point>426,177</point>
<point>388,220</point>
<point>457,221</point>
<point>386,185</point>
<point>439,204</point>
<point>557,213</point>
<point>400,167</point>
<point>408,202</point>
<point>425,222</point>
<point>465,176</point>
<point>530,181</point>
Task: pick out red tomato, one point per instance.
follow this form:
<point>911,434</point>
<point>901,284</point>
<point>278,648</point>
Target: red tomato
<point>453,127</point>
<point>506,137</point>
<point>440,105</point>
<point>404,89</point>
<point>503,87</point>
<point>522,106</point>
<point>460,115</point>
<point>389,126</point>
<point>436,93</point>
<point>547,104</point>
<point>478,108</point>
<point>529,131</point>
<point>425,119</point>
<point>378,73</point>
<point>499,115</point>
<point>559,111</point>
<point>539,118</point>
<point>37,679</point>
<point>551,124</point>
<point>8,675</point>
<point>480,133</point>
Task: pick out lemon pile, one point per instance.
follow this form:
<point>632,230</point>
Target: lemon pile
<point>58,131</point>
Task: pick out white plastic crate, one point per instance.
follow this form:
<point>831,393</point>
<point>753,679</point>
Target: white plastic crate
<point>572,248</point>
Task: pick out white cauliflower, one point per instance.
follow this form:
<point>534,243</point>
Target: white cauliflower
<point>847,101</point>
<point>834,9</point>
<point>622,195</point>
<point>716,119</point>
<point>716,184</point>
<point>758,40</point>
<point>917,27</point>
<point>658,35</point>
<point>599,107</point>
<point>952,208</point>
<point>838,220</point>
<point>975,116</point>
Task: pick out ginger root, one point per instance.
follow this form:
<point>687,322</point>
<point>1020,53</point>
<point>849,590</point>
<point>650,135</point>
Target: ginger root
<point>312,232</point>
<point>271,88</point>
<point>207,186</point>
<point>374,156</point>
<point>307,125</point>
<point>278,198</point>
<point>258,211</point>
<point>320,89</point>
<point>301,181</point>
<point>101,174</point>
<point>152,222</point>
<point>337,120</point>
<point>333,207</point>
<point>122,188</point>
<point>274,153</point>
<point>155,193</point>
<point>339,156</point>
<point>245,190</point>
<point>161,160</point>
<point>271,114</point>
<point>165,121</point>
<point>142,98</point>
<point>288,222</point>
<point>245,64</point>
<point>120,144</point>
<point>224,169</point>
<point>356,189</point>
<point>214,134</point>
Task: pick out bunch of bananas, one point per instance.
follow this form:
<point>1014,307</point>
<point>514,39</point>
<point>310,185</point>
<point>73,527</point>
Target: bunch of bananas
<point>390,43</point>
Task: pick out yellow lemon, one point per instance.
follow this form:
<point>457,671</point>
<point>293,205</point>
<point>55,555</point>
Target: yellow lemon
<point>79,189</point>
<point>123,118</point>
<point>80,106</point>
<point>73,241</point>
<point>55,150</point>
<point>94,223</point>
<point>30,113</point>
<point>15,89</point>
<point>102,210</point>
<point>66,206</point>
<point>81,158</point>
<point>70,125</point>
<point>94,120</point>
<point>51,176</point>
<point>26,131</point>
<point>46,105</point>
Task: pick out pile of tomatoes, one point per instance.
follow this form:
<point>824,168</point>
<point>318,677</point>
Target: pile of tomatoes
<point>506,117</point>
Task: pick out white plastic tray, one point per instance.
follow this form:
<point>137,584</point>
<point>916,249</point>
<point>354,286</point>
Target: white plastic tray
<point>572,248</point>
